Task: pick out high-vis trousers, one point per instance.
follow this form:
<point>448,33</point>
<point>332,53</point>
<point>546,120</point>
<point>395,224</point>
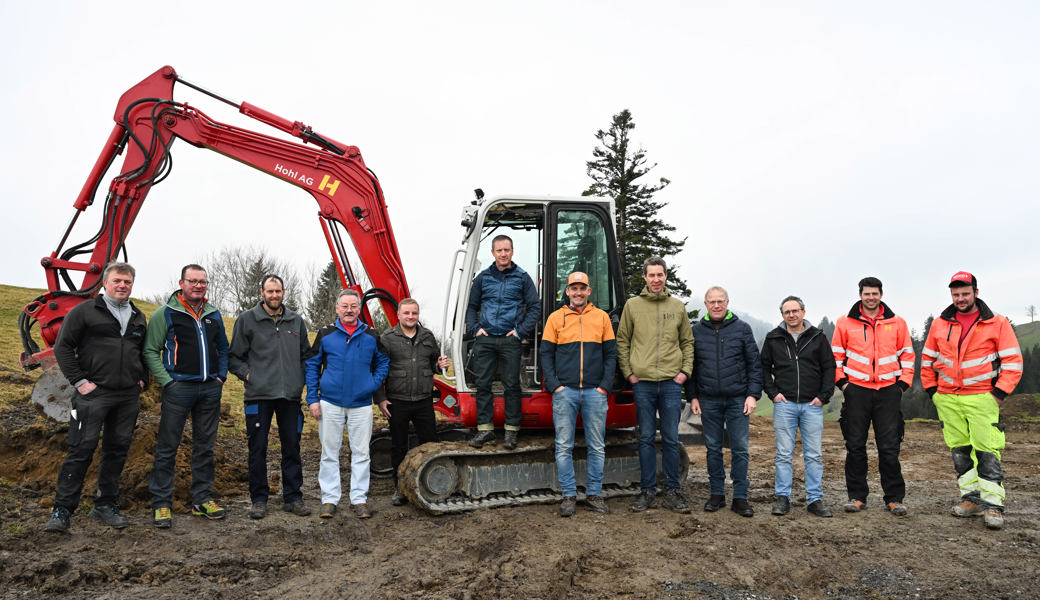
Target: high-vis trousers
<point>972,430</point>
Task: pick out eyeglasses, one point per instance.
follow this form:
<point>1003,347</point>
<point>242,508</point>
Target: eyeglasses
<point>196,282</point>
<point>716,301</point>
<point>791,312</point>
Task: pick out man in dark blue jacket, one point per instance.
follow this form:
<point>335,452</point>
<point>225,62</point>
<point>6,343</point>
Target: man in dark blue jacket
<point>724,390</point>
<point>503,309</point>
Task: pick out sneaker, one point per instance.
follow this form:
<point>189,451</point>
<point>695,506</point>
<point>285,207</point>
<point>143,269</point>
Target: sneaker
<point>742,508</point>
<point>482,437</point>
<point>59,521</point>
<point>854,505</point>
<point>296,507</point>
<point>896,508</point>
<point>162,517</point>
<point>596,504</point>
<point>781,505</point>
<point>208,509</point>
<point>967,508</point>
<point>817,508</point>
<point>673,499</point>
<point>510,439</point>
<point>397,498</point>
<point>258,510</point>
<point>646,499</point>
<point>361,511</point>
<point>109,515</point>
<point>993,518</point>
<point>328,510</point>
<point>567,506</point>
<point>714,503</point>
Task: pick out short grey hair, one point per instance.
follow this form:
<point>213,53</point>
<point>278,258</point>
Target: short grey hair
<point>801,304</point>
<point>716,288</point>
<point>118,267</point>
<point>353,293</point>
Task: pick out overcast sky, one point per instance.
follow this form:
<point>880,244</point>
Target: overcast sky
<point>808,143</point>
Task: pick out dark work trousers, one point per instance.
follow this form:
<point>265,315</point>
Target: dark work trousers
<point>863,407</point>
<point>419,413</point>
<point>116,413</point>
<point>489,352</point>
<point>202,402</point>
<point>259,414</point>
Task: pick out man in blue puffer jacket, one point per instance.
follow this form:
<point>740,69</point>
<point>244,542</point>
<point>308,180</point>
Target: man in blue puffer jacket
<point>724,390</point>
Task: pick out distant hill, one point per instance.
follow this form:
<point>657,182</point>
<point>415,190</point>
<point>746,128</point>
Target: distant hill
<point>1028,334</point>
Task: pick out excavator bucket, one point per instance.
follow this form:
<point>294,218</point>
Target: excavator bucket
<point>54,394</point>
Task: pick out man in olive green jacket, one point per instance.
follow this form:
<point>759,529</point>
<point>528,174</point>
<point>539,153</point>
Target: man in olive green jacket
<point>655,354</point>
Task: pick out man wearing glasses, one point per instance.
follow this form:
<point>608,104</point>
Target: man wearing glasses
<point>186,349</point>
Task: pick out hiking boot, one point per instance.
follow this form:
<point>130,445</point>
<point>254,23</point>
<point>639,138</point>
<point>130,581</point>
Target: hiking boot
<point>817,508</point>
<point>781,505</point>
<point>483,437</point>
<point>742,508</point>
<point>567,506</point>
<point>59,521</point>
<point>854,505</point>
<point>397,498</point>
<point>208,509</point>
<point>361,511</point>
<point>896,508</point>
<point>258,510</point>
<point>646,499</point>
<point>714,503</point>
<point>967,508</point>
<point>297,507</point>
<point>510,439</point>
<point>596,504</point>
<point>328,510</point>
<point>162,517</point>
<point>673,499</point>
<point>993,518</point>
<point>109,515</point>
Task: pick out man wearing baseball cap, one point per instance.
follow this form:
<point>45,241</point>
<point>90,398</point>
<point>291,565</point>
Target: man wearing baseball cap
<point>579,356</point>
<point>970,363</point>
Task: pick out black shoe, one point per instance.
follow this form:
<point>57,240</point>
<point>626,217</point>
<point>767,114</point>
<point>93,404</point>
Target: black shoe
<point>59,521</point>
<point>674,500</point>
<point>258,510</point>
<point>742,508</point>
<point>567,506</point>
<point>397,498</point>
<point>782,505</point>
<point>510,439</point>
<point>817,508</point>
<point>297,507</point>
<point>109,515</point>
<point>714,503</point>
<point>646,499</point>
<point>483,437</point>
<point>596,504</point>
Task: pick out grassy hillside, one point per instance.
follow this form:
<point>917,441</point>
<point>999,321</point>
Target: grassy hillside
<point>1028,334</point>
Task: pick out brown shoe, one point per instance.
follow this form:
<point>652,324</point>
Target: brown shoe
<point>854,505</point>
<point>328,510</point>
<point>966,508</point>
<point>361,511</point>
<point>993,518</point>
<point>896,508</point>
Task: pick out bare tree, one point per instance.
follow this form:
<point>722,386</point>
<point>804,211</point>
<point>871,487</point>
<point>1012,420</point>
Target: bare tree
<point>1031,312</point>
<point>235,274</point>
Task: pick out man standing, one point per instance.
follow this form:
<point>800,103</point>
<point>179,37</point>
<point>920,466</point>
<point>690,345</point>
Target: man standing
<point>874,358</point>
<point>970,363</point>
<point>724,390</point>
<point>99,352</point>
<point>187,352</point>
<point>503,309</point>
<point>267,350</point>
<point>414,358</point>
<point>655,353</point>
<point>798,375</point>
<point>344,367</point>
<point>579,356</point>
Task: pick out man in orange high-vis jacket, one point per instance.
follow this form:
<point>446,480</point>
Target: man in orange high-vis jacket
<point>970,363</point>
<point>874,356</point>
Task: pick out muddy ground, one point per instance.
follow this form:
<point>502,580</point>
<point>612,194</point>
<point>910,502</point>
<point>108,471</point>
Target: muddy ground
<point>524,553</point>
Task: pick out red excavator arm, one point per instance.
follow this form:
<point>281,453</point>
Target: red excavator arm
<point>148,121</point>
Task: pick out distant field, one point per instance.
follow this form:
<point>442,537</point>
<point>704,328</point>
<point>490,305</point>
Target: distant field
<point>1028,334</point>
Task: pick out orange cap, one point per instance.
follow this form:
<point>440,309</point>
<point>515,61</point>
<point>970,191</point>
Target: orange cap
<point>578,277</point>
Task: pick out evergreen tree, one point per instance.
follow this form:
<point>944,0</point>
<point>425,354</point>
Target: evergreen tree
<point>321,308</point>
<point>827,327</point>
<point>615,172</point>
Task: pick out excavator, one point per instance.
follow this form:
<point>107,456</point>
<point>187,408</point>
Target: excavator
<point>553,237</point>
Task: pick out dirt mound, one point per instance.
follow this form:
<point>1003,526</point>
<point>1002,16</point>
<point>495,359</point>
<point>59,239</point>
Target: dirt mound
<point>1019,406</point>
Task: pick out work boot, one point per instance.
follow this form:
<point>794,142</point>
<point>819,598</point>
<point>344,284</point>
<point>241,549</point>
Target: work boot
<point>483,437</point>
<point>297,507</point>
<point>328,510</point>
<point>817,508</point>
<point>646,499</point>
<point>896,508</point>
<point>596,504</point>
<point>59,521</point>
<point>993,518</point>
<point>781,505</point>
<point>397,498</point>
<point>510,439</point>
<point>361,511</point>
<point>967,508</point>
<point>208,509</point>
<point>567,506</point>
<point>854,505</point>
<point>742,508</point>
<point>109,515</point>
<point>162,517</point>
<point>258,510</point>
<point>673,499</point>
<point>714,503</point>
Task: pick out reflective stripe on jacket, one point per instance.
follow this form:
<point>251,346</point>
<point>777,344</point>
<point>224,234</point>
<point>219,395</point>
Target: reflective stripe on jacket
<point>873,356</point>
<point>989,360</point>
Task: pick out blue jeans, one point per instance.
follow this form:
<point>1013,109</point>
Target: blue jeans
<point>788,418</point>
<point>718,416</point>
<point>202,402</point>
<point>658,399</point>
<point>592,405</point>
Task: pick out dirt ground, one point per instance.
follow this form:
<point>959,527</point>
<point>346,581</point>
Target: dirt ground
<point>530,552</point>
